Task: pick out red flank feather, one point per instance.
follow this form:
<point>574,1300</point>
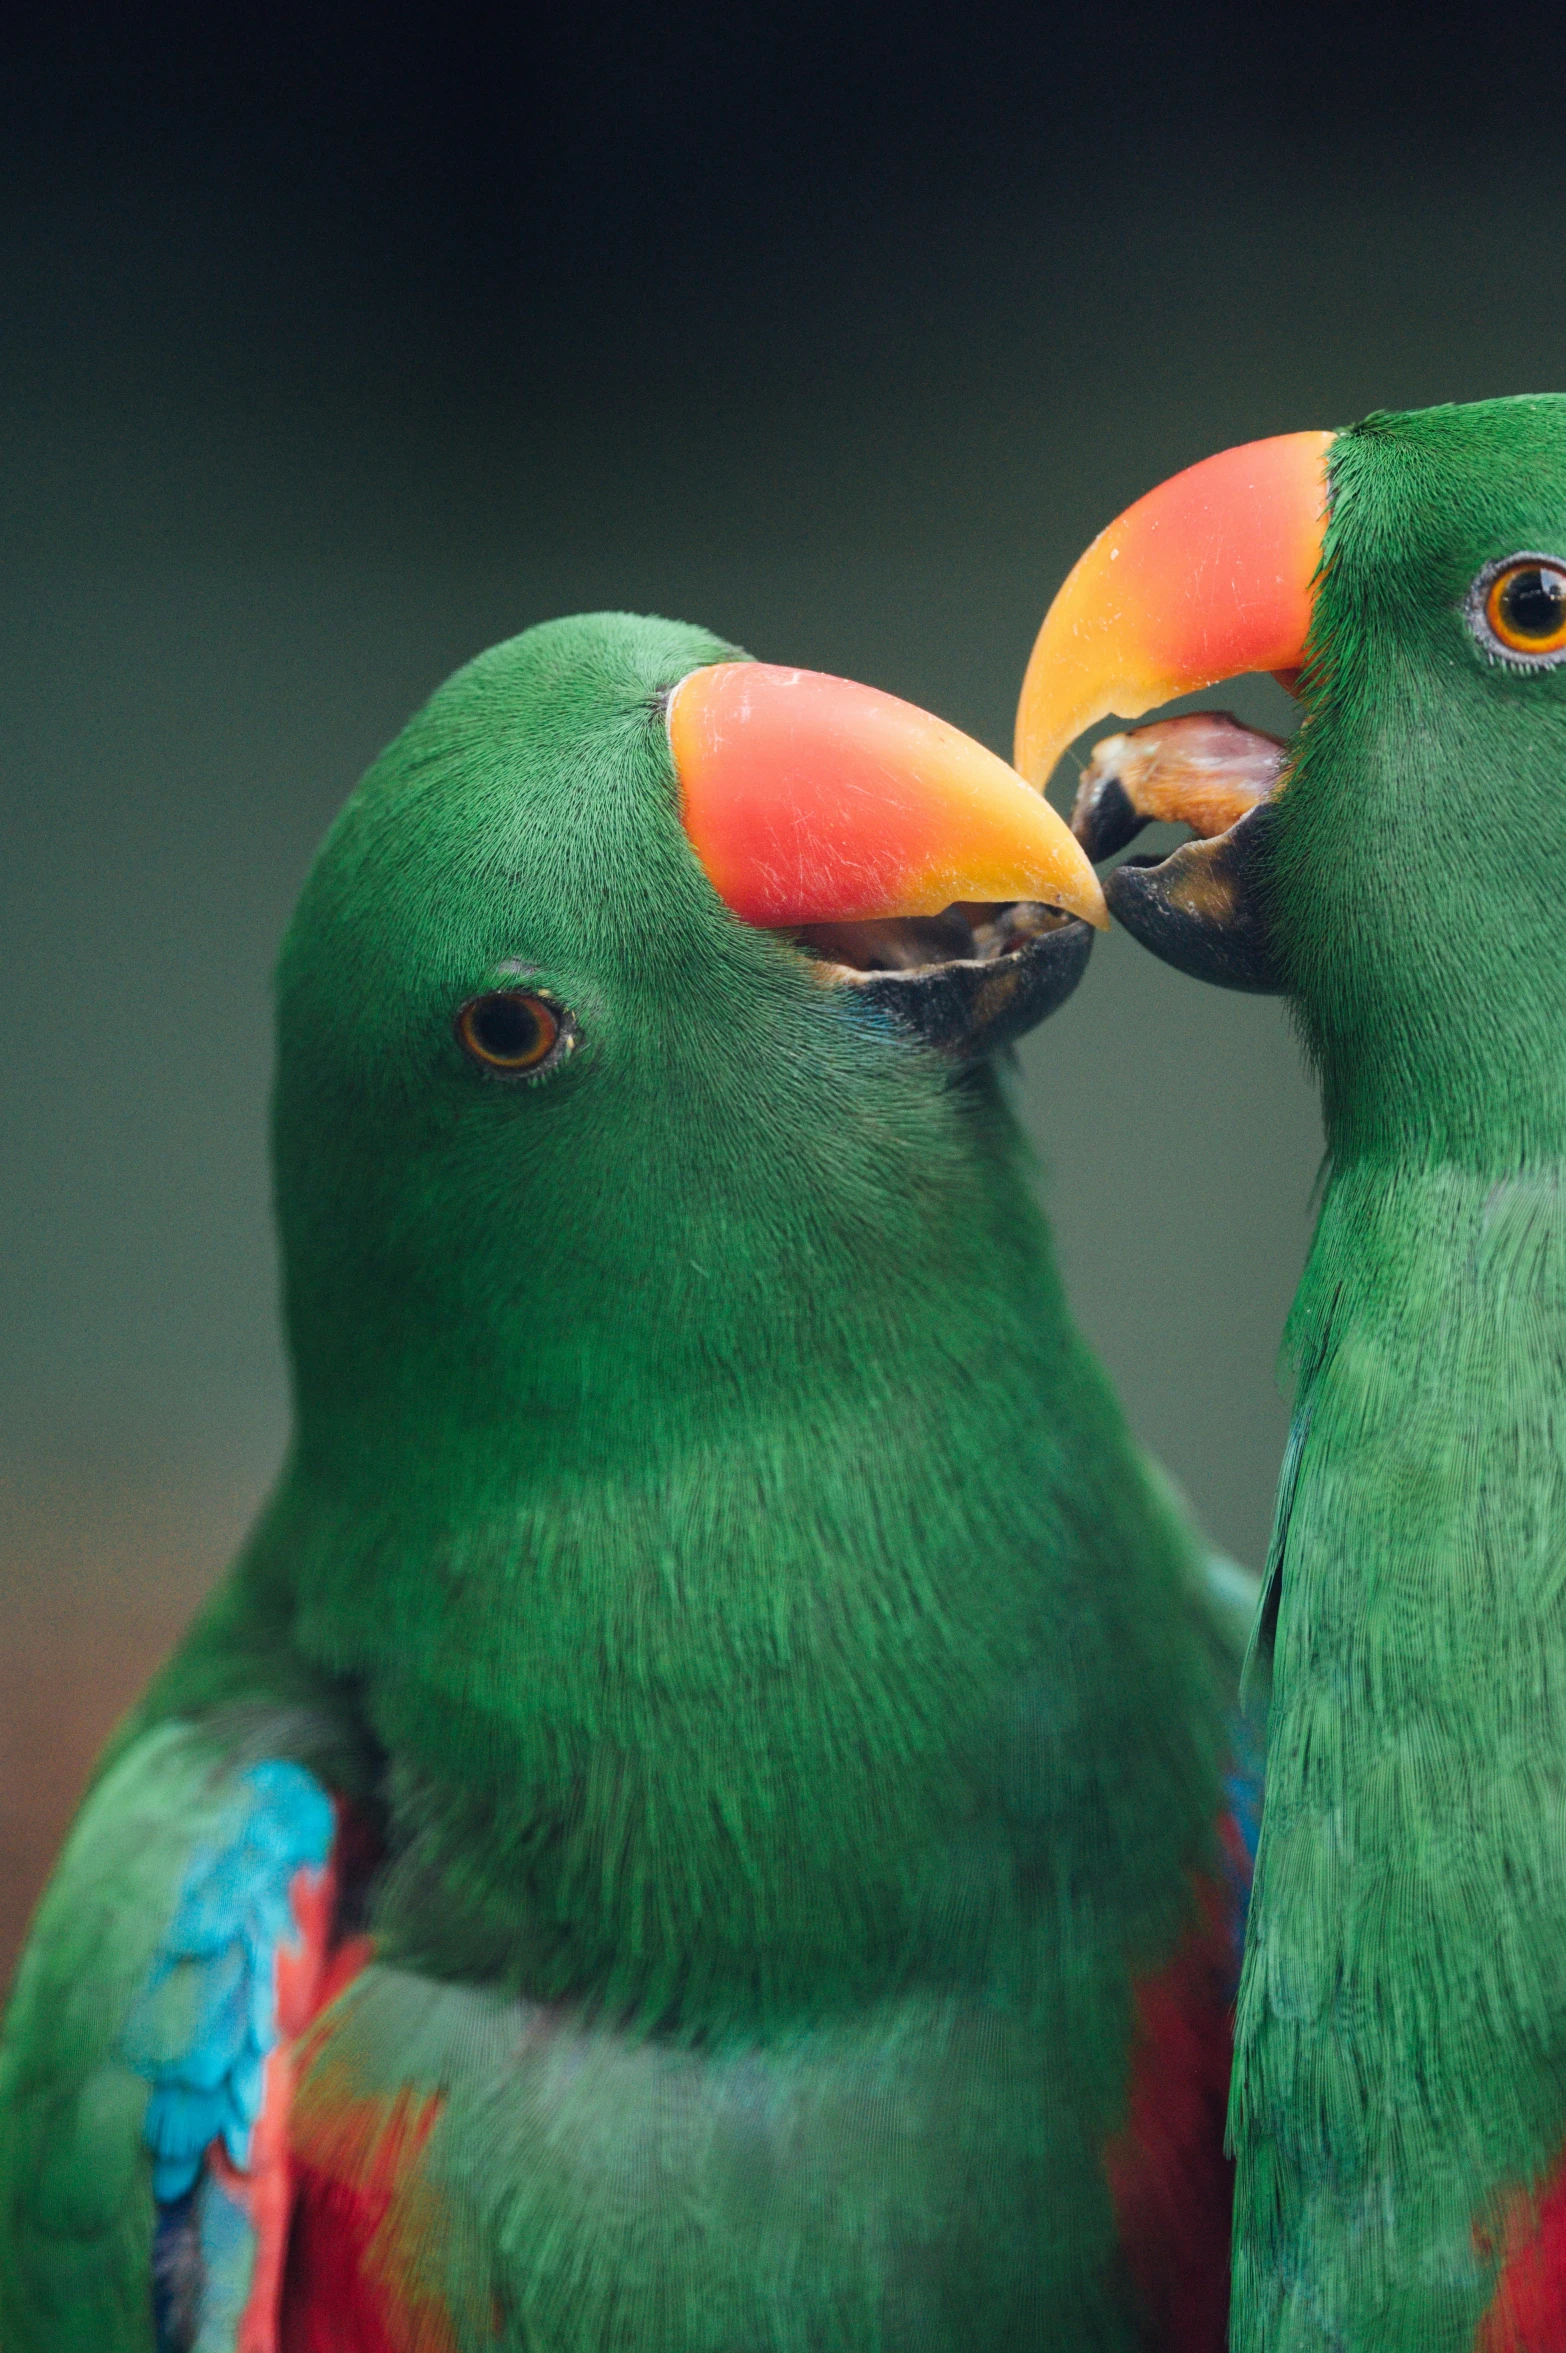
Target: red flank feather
<point>1169,2179</point>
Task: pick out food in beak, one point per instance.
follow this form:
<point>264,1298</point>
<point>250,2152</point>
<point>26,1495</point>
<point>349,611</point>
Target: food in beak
<point>1203,770</point>
<point>1201,908</point>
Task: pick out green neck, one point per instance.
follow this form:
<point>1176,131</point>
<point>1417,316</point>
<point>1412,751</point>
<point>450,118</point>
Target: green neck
<point>1400,2080</point>
<point>1428,961</point>
<point>1415,862</point>
<point>1397,2049</point>
<point>765,1665</point>
<point>698,1488</point>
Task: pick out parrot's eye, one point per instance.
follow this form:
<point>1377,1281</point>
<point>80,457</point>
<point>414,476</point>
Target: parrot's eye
<point>513,1033</point>
<point>1517,610</point>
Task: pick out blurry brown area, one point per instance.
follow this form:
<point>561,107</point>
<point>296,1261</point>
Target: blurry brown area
<point>99,1576</point>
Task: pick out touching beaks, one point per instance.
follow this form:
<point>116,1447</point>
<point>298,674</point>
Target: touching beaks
<point>1208,576</point>
<point>813,800</point>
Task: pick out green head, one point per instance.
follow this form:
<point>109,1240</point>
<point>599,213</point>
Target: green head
<point>692,1450</point>
<point>559,1137</point>
<point>1418,847</point>
<point>1402,883</point>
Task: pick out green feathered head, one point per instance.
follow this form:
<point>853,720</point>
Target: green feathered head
<point>1397,868</point>
<point>627,1027</point>
<point>694,1463</point>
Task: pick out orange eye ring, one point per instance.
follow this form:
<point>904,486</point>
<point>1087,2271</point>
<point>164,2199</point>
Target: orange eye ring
<point>512,1032</point>
<point>1519,605</point>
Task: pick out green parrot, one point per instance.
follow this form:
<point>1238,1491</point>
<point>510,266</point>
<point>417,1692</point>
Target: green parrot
<point>703,1817</point>
<point>1399,2096</point>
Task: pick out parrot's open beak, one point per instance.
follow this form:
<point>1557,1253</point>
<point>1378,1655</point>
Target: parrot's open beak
<point>1207,577</point>
<point>913,864</point>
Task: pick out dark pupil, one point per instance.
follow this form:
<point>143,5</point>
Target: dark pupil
<point>1534,603</point>
<point>506,1027</point>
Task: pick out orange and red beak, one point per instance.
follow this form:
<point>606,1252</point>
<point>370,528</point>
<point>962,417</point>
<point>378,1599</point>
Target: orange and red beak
<point>1208,576</point>
<point>812,800</point>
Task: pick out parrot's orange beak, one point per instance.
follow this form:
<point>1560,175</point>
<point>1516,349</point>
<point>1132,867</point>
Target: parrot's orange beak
<point>1208,576</point>
<point>813,801</point>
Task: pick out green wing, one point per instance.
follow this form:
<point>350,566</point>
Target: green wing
<point>138,2039</point>
<point>76,2211</point>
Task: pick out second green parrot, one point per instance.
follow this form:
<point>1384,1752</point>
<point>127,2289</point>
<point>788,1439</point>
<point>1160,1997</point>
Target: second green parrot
<point>1399,2104</point>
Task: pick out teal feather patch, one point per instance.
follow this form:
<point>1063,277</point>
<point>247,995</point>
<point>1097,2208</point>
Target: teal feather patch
<point>203,2027</point>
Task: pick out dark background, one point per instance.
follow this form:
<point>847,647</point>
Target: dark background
<point>336,348</point>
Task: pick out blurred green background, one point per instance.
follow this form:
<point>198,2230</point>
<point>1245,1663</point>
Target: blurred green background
<point>337,352</point>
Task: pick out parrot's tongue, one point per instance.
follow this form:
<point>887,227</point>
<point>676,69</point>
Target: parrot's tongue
<point>968,980</point>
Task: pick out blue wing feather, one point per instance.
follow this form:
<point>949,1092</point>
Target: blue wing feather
<point>206,2020</point>
<point>200,2033</point>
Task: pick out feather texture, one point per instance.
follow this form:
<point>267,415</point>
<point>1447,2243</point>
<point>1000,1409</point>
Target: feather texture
<point>1399,2103</point>
<point>791,1709</point>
